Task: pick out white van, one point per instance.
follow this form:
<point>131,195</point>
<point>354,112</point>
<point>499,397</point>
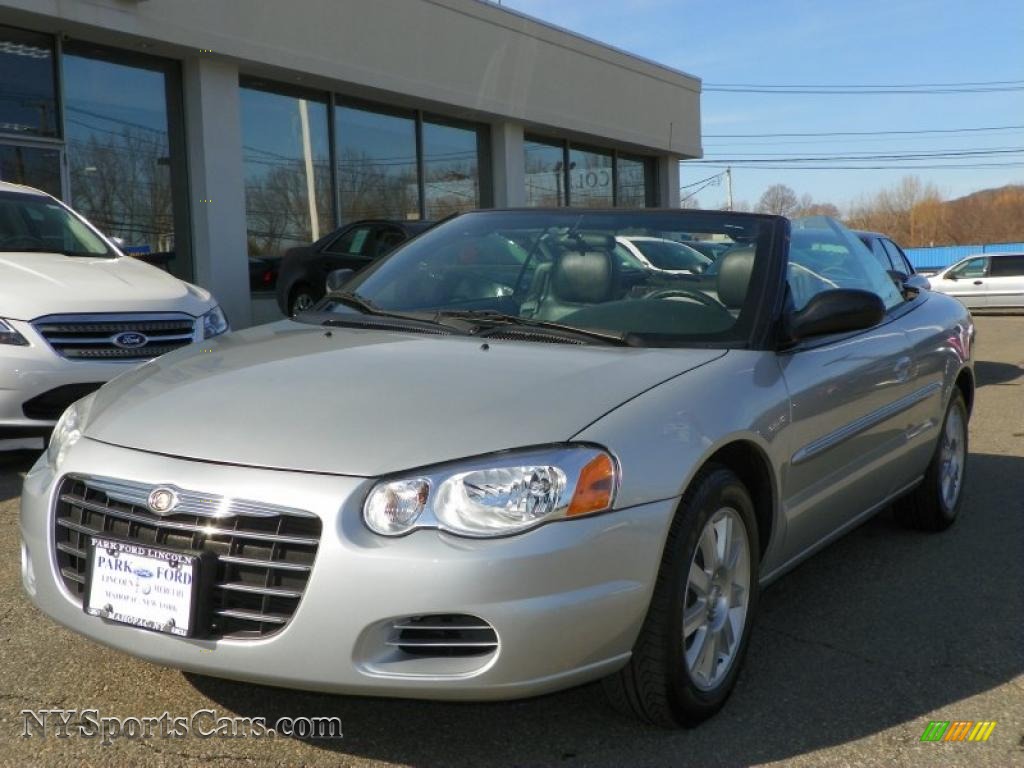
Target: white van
<point>75,311</point>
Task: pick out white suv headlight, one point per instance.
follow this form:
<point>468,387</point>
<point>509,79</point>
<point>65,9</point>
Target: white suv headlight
<point>496,495</point>
<point>10,336</point>
<point>215,322</point>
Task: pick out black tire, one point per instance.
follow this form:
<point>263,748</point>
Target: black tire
<point>656,685</point>
<point>300,290</point>
<point>925,508</point>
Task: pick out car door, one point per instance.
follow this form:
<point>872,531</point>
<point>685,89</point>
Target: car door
<point>847,393</point>
<point>352,249</point>
<point>966,281</point>
<point>1005,283</point>
<point>899,259</point>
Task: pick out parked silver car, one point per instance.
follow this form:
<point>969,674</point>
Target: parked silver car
<point>488,478</point>
<point>985,281</point>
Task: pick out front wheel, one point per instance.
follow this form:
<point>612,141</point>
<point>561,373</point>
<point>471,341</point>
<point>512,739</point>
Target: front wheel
<point>302,300</point>
<point>690,649</point>
<point>935,503</point>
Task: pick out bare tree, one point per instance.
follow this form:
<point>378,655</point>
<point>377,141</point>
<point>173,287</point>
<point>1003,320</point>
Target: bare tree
<point>778,199</point>
<point>808,207</point>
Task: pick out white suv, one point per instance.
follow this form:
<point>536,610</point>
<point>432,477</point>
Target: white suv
<point>75,312</point>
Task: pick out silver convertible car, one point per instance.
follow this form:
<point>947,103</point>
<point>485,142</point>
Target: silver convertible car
<point>488,473</point>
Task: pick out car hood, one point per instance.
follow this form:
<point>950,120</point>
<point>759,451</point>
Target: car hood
<point>38,284</point>
<point>369,402</point>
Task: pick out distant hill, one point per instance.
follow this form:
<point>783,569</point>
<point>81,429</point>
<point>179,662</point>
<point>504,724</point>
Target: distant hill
<point>914,214</point>
<point>987,216</point>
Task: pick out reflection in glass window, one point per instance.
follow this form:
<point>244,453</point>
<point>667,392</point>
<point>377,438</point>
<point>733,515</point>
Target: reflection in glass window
<point>635,179</point>
<point>376,154</point>
<point>118,151</point>
<point>545,173</point>
<point>28,83</point>
<point>590,179</point>
<point>451,171</point>
<point>287,177</point>
<point>37,167</point>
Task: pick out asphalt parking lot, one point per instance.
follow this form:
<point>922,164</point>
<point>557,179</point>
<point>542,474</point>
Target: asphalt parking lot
<point>853,654</point>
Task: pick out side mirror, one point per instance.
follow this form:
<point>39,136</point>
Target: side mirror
<point>837,311</point>
<point>951,276</point>
<point>918,283</point>
<point>337,278</point>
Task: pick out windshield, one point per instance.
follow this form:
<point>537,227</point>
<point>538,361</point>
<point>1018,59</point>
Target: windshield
<point>573,269</point>
<point>35,223</point>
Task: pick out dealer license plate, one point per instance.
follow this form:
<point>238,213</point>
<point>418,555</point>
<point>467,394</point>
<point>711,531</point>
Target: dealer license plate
<point>141,585</point>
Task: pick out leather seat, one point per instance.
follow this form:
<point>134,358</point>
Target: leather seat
<point>734,271</point>
<point>578,279</point>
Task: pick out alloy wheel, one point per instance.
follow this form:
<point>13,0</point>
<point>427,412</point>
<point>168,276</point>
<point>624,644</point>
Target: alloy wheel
<point>716,599</point>
<point>952,457</point>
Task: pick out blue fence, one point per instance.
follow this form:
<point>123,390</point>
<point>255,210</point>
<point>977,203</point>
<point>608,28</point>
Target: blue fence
<point>944,255</point>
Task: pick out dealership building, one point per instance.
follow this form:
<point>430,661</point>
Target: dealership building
<point>213,135</point>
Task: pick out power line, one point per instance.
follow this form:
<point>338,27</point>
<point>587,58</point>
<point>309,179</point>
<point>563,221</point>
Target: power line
<point>694,184</point>
<point>895,155</point>
<point>859,133</point>
<point>965,166</point>
<point>853,157</point>
<point>866,85</point>
<point>988,86</point>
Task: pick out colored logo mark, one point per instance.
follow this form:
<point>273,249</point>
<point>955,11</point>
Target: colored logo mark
<point>958,730</point>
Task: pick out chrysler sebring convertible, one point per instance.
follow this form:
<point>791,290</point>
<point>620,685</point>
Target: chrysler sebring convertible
<point>489,478</point>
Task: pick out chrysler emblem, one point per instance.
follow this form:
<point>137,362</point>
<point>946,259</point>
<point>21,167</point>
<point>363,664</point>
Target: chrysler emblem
<point>130,340</point>
<point>162,501</point>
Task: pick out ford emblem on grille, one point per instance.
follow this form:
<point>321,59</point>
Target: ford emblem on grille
<point>162,501</point>
<point>130,340</point>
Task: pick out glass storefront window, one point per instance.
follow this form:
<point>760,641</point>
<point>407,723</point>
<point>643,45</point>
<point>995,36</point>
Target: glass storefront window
<point>28,84</point>
<point>590,179</point>
<point>377,170</point>
<point>557,174</point>
<point>545,173</point>
<point>119,153</point>
<point>451,169</point>
<point>635,182</point>
<point>37,167</point>
<point>286,160</point>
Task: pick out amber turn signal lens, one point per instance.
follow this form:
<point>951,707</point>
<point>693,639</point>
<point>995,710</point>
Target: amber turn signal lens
<point>595,487</point>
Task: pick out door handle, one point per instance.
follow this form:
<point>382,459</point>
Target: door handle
<point>978,282</point>
<point>902,369</point>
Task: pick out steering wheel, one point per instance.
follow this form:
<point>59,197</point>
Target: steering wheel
<point>11,242</point>
<point>700,296</point>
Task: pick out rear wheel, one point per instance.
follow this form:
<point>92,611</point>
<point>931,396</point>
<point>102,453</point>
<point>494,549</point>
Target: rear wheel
<point>689,651</point>
<point>935,503</point>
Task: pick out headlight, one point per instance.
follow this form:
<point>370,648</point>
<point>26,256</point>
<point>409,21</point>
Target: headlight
<point>215,322</point>
<point>67,432</point>
<point>496,495</point>
<point>10,336</point>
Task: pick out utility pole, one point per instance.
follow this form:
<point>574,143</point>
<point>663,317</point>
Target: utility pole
<point>728,185</point>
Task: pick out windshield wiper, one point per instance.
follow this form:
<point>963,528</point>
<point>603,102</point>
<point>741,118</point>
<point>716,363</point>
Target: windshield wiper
<point>367,307</point>
<point>487,320</point>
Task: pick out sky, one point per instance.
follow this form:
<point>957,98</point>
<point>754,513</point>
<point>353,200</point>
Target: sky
<point>830,43</point>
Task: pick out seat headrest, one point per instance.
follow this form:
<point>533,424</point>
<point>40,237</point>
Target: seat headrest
<point>734,273</point>
<point>582,277</point>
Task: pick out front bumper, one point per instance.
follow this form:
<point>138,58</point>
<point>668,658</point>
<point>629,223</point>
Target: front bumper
<point>566,600</point>
<point>27,372</point>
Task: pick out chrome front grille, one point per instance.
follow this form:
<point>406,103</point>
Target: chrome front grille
<point>102,337</point>
<point>264,553</point>
<point>445,634</point>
